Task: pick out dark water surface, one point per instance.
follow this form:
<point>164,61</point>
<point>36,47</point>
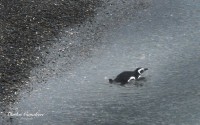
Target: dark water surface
<point>160,35</point>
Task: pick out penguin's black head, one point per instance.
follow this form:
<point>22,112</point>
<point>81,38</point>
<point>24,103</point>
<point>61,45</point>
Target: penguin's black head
<point>140,70</point>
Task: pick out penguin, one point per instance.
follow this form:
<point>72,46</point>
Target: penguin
<point>126,76</point>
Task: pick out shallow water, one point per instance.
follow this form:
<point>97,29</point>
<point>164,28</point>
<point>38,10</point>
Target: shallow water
<point>163,38</point>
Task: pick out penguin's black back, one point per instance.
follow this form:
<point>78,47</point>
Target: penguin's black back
<point>125,76</point>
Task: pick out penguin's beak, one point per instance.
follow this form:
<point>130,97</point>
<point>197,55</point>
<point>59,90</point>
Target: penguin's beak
<point>145,69</point>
